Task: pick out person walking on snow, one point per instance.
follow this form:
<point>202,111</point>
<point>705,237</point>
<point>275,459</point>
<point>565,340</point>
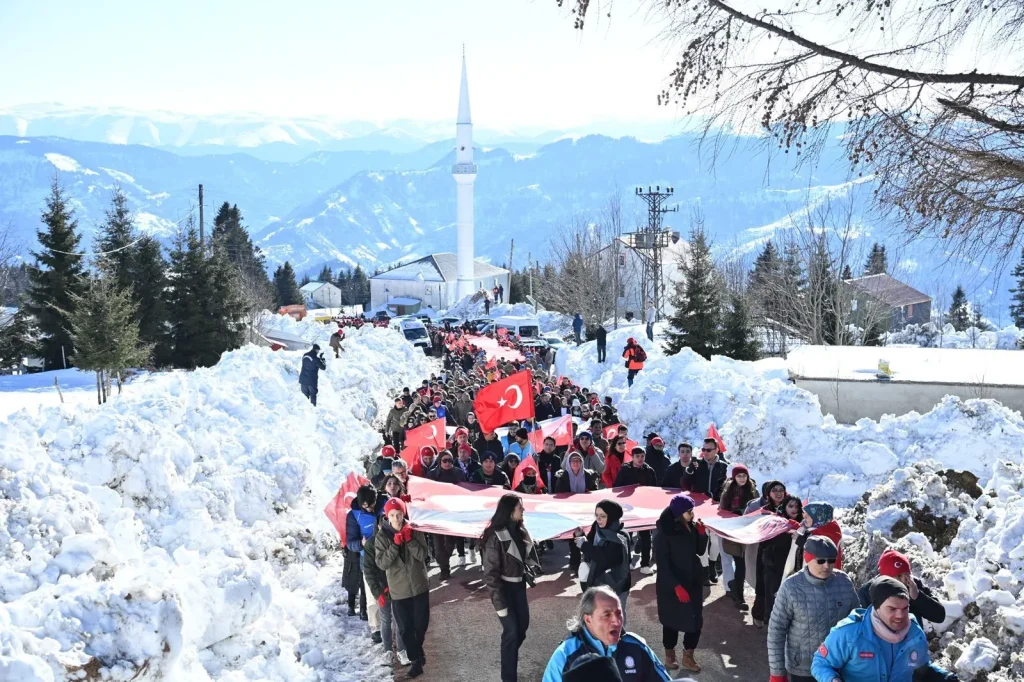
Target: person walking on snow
<point>737,492</point>
<point>577,328</point>
<point>881,642</point>
<point>309,376</point>
<point>601,335</point>
<point>808,604</point>
<point>635,357</point>
<point>335,343</point>
<point>652,313</point>
<point>402,553</point>
<point>509,560</point>
<point>679,542</point>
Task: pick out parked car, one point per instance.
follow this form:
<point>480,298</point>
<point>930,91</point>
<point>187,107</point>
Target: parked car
<point>413,330</point>
<point>554,340</point>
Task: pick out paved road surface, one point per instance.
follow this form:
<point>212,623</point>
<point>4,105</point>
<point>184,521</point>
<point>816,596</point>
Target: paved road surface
<point>463,640</point>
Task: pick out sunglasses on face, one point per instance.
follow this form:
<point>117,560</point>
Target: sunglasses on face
<point>707,449</point>
<point>446,461</point>
<point>822,562</point>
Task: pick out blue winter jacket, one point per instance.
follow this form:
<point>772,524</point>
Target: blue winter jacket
<point>360,525</point>
<point>852,652</point>
<point>633,658</point>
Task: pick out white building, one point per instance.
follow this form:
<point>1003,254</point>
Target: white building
<point>432,281</point>
<point>321,295</point>
<point>629,268</point>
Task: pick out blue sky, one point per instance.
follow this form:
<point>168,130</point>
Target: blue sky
<point>377,60</point>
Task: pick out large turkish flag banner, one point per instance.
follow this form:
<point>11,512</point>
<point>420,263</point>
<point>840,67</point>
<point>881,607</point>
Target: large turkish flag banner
<point>504,401</point>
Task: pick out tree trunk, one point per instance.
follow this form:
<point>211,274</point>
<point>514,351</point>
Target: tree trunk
<point>99,393</point>
<point>119,382</point>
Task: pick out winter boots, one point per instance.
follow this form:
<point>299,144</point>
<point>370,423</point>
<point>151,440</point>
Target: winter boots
<point>670,660</point>
<point>688,662</point>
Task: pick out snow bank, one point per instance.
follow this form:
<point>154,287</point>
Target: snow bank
<point>177,533</point>
<point>968,545</point>
<point>778,430</point>
<point>929,335</point>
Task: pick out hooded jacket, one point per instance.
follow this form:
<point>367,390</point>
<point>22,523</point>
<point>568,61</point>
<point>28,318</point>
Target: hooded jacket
<point>677,552</point>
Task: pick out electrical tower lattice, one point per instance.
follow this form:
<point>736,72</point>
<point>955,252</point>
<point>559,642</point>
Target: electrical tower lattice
<point>648,243</point>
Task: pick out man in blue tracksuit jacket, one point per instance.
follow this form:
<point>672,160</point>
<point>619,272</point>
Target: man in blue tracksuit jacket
<point>596,630</point>
<point>882,643</point>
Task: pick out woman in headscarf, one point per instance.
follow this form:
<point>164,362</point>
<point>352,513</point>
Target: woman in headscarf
<point>575,479</point>
<point>509,561</point>
<point>679,542</point>
<point>606,553</point>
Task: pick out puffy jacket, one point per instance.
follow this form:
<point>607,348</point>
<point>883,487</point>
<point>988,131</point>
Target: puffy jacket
<point>632,475</point>
<point>852,652</point>
<point>659,461</point>
<point>312,363</point>
<point>633,658</point>
<point>805,610</point>
<point>612,465</point>
<point>925,607</point>
<point>592,458</point>
<point>545,410</point>
<point>562,481</point>
<point>735,498</point>
<point>502,562</point>
<point>629,353</point>
<point>405,564</point>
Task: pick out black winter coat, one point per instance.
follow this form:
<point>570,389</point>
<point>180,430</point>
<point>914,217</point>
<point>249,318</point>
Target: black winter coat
<point>562,481</point>
<point>312,363</point>
<point>706,480</point>
<point>677,552</point>
<point>659,461</point>
<point>496,478</point>
<point>453,475</point>
<point>631,475</point>
<point>483,445</point>
<point>610,561</point>
<point>545,410</point>
<point>547,464</point>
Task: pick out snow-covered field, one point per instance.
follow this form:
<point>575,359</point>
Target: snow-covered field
<point>177,532</point>
<point>30,391</point>
<point>778,430</point>
<point>932,336</point>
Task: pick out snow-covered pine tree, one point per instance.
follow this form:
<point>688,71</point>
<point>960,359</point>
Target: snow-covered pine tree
<point>1017,301</point>
<point>959,316</point>
<point>106,332</point>
<point>286,287</point>
<point>305,280</point>
<point>697,302</point>
<point>57,276</point>
<point>739,340</point>
<point>203,303</point>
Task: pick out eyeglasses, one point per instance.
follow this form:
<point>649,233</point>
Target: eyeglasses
<point>822,562</point>
<point>778,489</point>
<point>707,449</point>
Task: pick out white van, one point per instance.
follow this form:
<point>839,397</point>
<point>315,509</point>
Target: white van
<point>413,330</point>
<point>523,327</point>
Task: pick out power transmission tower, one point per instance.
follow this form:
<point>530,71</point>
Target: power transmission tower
<point>649,242</point>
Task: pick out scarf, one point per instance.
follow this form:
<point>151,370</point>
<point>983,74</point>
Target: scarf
<point>885,633</point>
<point>608,535</point>
<point>577,482</point>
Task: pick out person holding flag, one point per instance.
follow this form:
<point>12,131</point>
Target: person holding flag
<point>505,401</point>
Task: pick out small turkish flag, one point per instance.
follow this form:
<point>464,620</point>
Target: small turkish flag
<point>713,433</point>
<point>432,433</point>
<point>341,504</point>
<point>517,477</point>
<point>504,401</point>
<point>559,428</point>
<point>610,432</point>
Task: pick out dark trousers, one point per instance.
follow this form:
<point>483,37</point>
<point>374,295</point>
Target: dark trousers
<point>650,331</point>
<point>577,336</point>
<point>643,545</point>
<point>575,555</point>
<point>670,638</point>
<point>361,594</point>
<point>602,352</point>
<point>632,375</point>
<point>800,678</point>
<point>444,545</point>
<point>513,629</point>
<point>741,575</point>
<point>460,545</point>
<point>309,392</point>
<point>413,618</point>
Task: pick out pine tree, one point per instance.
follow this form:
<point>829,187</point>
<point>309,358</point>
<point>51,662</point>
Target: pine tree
<point>696,299</point>
<point>878,261</point>
<point>958,315</point>
<point>232,237</point>
<point>1017,301</point>
<point>149,272</point>
<point>115,242</point>
<point>56,278</point>
<point>360,287</point>
<point>305,280</point>
<point>106,332</point>
<point>325,274</point>
<point>344,283</point>
<point>978,318</point>
<point>285,285</point>
<point>847,273</point>
<point>16,339</point>
<point>739,340</point>
<point>203,303</point>
<point>822,294</point>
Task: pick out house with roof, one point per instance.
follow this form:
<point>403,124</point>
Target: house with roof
<point>321,295</point>
<point>430,282</point>
<point>875,298</point>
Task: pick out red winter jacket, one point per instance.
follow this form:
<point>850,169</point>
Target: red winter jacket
<point>612,464</point>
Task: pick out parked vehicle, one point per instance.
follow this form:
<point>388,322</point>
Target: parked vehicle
<point>413,330</point>
<point>522,327</point>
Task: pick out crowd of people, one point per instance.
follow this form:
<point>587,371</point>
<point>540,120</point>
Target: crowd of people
<point>818,625</point>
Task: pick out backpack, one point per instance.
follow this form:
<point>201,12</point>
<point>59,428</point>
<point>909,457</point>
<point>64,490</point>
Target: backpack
<point>639,355</point>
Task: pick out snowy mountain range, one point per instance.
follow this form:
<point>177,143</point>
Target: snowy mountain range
<point>378,207</point>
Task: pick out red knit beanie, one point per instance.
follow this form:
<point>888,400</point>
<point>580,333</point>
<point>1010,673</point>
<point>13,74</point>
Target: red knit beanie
<point>892,563</point>
<point>395,503</point>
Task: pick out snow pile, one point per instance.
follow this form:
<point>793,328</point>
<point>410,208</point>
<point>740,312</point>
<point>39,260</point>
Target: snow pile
<point>307,329</point>
<point>177,533</point>
<point>778,430</point>
<point>968,545</point>
<point>551,322</point>
<point>930,335</point>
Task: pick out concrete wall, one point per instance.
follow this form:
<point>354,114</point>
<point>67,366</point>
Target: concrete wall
<point>849,401</point>
<point>399,288</point>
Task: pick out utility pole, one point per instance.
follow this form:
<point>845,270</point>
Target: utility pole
<point>648,243</point>
<point>511,250</point>
<point>202,223</point>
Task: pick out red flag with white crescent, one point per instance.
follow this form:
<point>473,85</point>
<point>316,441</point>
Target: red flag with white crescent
<point>341,504</point>
<point>559,428</point>
<point>432,433</point>
<point>713,433</point>
<point>505,401</point>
